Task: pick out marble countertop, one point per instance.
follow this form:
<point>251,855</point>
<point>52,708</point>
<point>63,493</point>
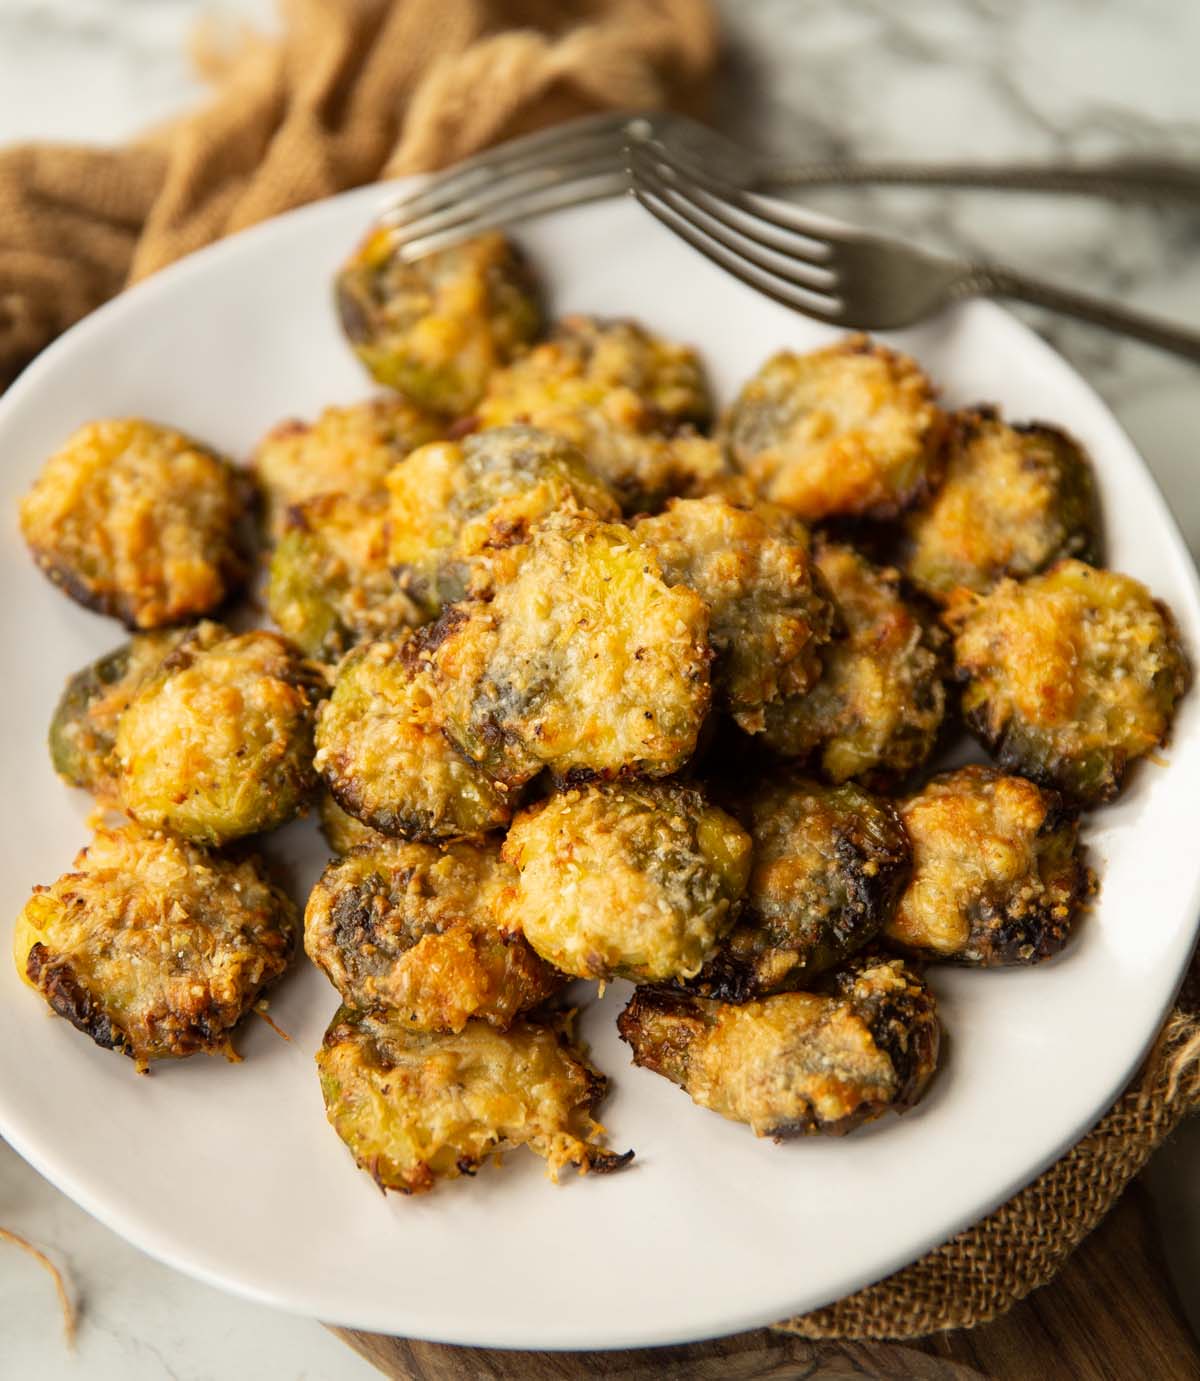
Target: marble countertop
<point>973,79</point>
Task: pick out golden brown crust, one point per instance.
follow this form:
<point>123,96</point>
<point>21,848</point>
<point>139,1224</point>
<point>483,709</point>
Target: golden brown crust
<point>461,510</point>
<point>83,730</point>
<point>417,1107</point>
<point>797,1063</point>
<point>997,874</point>
<point>1070,676</point>
<point>851,429</point>
<point>1015,499</point>
<point>769,611</point>
<point>383,755</point>
<point>154,947</point>
<point>435,329</point>
<point>585,662</point>
<point>630,401</point>
<point>346,450</point>
<point>634,880</point>
<point>413,928</point>
<point>219,743</point>
<point>875,713</point>
<point>829,866</point>
<point>139,522</point>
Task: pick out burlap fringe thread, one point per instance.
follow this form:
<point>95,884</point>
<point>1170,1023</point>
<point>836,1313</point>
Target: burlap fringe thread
<point>984,1271</point>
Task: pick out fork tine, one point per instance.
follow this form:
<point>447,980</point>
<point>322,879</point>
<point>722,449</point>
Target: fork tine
<point>495,196</point>
<point>508,212</point>
<point>813,304</point>
<point>790,262</point>
<point>783,216</point>
<point>531,150</point>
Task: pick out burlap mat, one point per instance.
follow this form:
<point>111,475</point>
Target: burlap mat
<point>355,90</point>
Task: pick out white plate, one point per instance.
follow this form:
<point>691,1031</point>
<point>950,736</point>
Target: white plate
<point>231,1172</point>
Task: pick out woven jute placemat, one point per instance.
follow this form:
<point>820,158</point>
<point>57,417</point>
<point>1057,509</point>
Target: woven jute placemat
<point>351,92</point>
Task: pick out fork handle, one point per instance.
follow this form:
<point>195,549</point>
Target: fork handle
<point>1122,178</point>
<point>990,280</point>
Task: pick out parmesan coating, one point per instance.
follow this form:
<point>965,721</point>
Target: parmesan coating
<point>1015,499</point>
<point>347,450</point>
<point>383,755</point>
<point>768,608</point>
<point>83,730</point>
<point>154,947</point>
<point>413,928</point>
<point>219,743</point>
<point>631,401</point>
<point>797,1063</point>
<point>851,429</point>
<point>331,585</point>
<point>459,509</point>
<point>138,522</point>
<point>417,1107</point>
<point>435,329</point>
<point>625,880</point>
<point>875,713</point>
<point>997,876</point>
<point>585,662</point>
<point>1070,676</point>
<point>829,866</point>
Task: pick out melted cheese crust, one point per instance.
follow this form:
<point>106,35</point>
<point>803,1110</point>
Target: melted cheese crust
<point>219,744</point>
<point>137,521</point>
<point>154,947</point>
<point>851,429</point>
<point>769,614</point>
<point>415,1108</point>
<point>413,928</point>
<point>633,881</point>
<point>436,329</point>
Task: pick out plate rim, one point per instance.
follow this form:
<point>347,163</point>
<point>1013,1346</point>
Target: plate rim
<point>612,1339</point>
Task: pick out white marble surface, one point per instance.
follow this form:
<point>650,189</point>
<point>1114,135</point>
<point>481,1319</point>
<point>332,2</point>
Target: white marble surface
<point>963,78</point>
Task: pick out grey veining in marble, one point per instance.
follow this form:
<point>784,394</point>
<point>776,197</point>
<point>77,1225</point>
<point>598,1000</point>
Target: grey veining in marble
<point>872,78</point>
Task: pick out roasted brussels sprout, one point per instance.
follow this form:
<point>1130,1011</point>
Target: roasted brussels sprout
<point>139,522</point>
<point>850,430</point>
<point>585,662</point>
<point>382,753</point>
<point>413,928</point>
<point>344,831</point>
<point>436,328</point>
<point>797,1063</point>
<point>219,742</point>
<point>829,865</point>
<point>1015,499</point>
<point>83,731</point>
<point>997,875</point>
<point>769,610</point>
<point>459,506</point>
<point>417,1107</point>
<point>331,585</point>
<point>635,880</point>
<point>629,400</point>
<point>347,450</point>
<point>154,947</point>
<point>1070,676</point>
<point>875,713</point>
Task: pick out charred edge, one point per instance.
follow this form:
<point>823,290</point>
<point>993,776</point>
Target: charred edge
<point>601,1161</point>
<point>427,639</point>
<point>905,1028</point>
<point>396,824</point>
<point>75,587</point>
<point>55,980</point>
<point>355,319</point>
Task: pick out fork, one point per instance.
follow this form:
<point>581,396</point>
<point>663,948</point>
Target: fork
<point>837,273</point>
<point>582,160</point>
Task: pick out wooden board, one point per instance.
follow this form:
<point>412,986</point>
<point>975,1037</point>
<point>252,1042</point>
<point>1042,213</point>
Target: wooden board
<point>1111,1315</point>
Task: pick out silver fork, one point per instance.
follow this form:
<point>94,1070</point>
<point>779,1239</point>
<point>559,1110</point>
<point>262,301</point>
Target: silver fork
<point>837,273</point>
<point>582,160</point>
